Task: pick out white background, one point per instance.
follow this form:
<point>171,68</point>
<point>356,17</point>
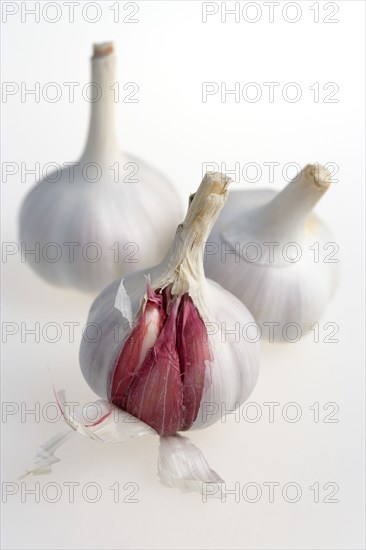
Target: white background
<point>169,53</point>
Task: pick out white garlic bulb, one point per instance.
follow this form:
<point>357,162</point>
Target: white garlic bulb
<point>106,216</point>
<point>275,255</point>
<point>165,358</point>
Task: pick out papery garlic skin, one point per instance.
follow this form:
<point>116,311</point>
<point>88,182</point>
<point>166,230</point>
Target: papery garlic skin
<point>231,363</point>
<point>272,252</point>
<point>105,228</point>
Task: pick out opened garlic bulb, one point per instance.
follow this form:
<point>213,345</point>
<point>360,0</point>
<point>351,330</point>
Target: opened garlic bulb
<point>165,358</point>
<point>107,215</point>
<point>182,331</point>
<point>273,253</point>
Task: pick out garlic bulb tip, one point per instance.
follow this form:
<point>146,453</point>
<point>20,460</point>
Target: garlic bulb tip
<point>318,175</point>
<point>100,50</point>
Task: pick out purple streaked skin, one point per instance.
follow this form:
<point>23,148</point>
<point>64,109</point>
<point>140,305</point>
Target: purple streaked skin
<point>161,370</point>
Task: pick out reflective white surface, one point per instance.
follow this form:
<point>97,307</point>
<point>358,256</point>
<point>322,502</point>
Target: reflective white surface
<point>169,53</point>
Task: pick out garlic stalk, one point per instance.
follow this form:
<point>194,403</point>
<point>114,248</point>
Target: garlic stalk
<point>94,221</point>
<point>275,255</point>
<point>166,354</point>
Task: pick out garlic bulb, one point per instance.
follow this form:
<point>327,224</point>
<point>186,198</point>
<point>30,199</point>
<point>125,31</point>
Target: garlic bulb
<point>181,319</point>
<point>166,359</point>
<point>275,255</point>
<point>109,214</point>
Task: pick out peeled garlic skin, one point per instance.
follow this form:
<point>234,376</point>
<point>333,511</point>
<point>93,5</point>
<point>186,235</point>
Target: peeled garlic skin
<point>115,216</point>
<point>286,293</point>
<point>230,377</point>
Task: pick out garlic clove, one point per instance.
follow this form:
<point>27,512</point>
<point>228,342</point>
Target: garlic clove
<point>195,356</point>
<point>154,392</point>
<point>134,352</point>
<point>161,379</point>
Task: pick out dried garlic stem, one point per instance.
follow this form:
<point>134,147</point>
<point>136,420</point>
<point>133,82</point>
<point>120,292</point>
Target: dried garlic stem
<point>300,196</point>
<point>285,215</point>
<point>101,139</point>
<point>185,260</point>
